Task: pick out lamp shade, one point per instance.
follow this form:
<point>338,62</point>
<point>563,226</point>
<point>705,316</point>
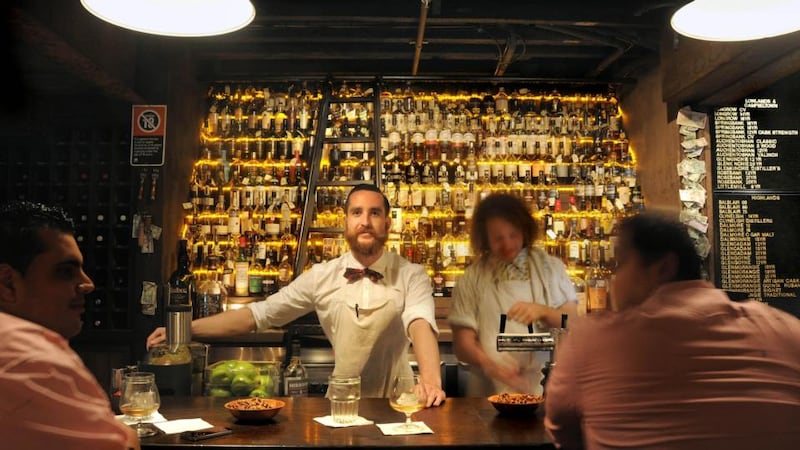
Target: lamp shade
<point>184,18</point>
<point>737,20</point>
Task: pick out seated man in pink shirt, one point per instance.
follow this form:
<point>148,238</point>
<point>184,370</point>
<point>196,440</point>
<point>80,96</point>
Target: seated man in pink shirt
<point>676,364</point>
<point>48,398</point>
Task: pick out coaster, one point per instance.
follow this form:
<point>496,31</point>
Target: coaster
<point>328,422</point>
<point>395,429</point>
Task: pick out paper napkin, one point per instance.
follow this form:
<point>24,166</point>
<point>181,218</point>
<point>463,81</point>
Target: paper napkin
<point>394,429</point>
<point>328,422</point>
<point>181,425</point>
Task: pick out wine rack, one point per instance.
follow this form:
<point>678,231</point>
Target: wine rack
<point>85,171</point>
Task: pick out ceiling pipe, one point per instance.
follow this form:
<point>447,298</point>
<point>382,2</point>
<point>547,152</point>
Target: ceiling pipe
<point>423,16</point>
<point>618,52</point>
<point>508,54</point>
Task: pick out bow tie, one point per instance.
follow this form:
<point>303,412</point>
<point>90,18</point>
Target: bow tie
<point>356,274</point>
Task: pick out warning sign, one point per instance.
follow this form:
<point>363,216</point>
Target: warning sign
<point>148,133</point>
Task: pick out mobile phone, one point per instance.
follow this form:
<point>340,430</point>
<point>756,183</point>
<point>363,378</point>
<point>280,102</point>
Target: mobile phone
<point>200,435</point>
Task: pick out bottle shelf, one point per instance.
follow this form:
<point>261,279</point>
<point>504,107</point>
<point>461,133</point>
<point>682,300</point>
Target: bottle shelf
<point>435,149</point>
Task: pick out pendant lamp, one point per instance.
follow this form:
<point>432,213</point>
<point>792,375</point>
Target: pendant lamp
<point>182,18</point>
<point>737,20</point>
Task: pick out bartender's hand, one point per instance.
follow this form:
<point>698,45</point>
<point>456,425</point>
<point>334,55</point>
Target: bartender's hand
<point>434,395</point>
<point>527,313</point>
<point>158,336</point>
<point>509,374</point>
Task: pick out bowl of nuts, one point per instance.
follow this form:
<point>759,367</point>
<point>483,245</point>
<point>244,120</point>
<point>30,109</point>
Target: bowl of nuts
<point>252,409</point>
<point>516,404</point>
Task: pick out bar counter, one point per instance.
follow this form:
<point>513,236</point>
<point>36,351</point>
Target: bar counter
<point>458,423</point>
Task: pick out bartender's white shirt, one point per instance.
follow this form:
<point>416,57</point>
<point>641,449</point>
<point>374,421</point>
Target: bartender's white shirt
<point>406,284</point>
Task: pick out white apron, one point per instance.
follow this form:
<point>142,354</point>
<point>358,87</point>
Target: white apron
<point>372,342</point>
<point>501,296</point>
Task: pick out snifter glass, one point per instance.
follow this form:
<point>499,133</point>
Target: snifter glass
<point>139,400</point>
<point>407,397</point>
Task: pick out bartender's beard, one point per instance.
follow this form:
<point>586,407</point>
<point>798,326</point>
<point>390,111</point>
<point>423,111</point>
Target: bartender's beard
<point>364,249</point>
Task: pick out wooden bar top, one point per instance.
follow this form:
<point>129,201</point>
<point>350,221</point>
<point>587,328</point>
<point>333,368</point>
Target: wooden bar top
<point>458,423</point>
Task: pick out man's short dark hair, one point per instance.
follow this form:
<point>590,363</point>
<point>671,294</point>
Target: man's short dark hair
<point>371,188</point>
<point>654,235</point>
<point>20,223</point>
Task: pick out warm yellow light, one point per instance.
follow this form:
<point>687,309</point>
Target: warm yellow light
<point>182,18</point>
<point>737,20</point>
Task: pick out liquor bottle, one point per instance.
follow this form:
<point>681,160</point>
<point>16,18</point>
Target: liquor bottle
<point>270,280</point>
<point>407,242</point>
<point>365,168</point>
<point>234,220</point>
<point>295,377</point>
<point>463,251</point>
<point>180,292</point>
<point>597,278</point>
<point>240,269</point>
<point>181,284</point>
<point>573,243</point>
<point>285,270</point>
<point>451,271</point>
<point>212,296</point>
<point>437,264</point>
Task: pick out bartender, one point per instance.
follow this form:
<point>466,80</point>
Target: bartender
<point>510,277</point>
<point>371,304</point>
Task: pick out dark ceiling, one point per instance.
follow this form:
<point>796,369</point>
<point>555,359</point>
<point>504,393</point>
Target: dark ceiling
<point>574,40</point>
<point>564,41</point>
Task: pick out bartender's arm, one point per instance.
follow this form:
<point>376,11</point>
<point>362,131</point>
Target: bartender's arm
<point>527,313</point>
<point>237,321</point>
<point>426,350</point>
<point>468,349</point>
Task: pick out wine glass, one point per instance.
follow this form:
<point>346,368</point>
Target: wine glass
<point>407,397</point>
<point>139,400</point>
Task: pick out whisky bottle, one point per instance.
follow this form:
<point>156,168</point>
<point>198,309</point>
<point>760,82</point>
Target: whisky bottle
<point>240,269</point>
<point>437,279</point>
<point>295,378</point>
<point>285,270</point>
<point>597,278</point>
<point>181,283</point>
<point>211,293</point>
<point>270,280</point>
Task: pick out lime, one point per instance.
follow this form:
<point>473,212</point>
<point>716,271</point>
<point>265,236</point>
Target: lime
<point>259,392</point>
<point>221,375</point>
<point>245,368</point>
<point>219,392</point>
<point>265,383</point>
<point>242,384</point>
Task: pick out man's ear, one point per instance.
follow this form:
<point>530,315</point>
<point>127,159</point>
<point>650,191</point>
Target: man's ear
<point>668,267</point>
<point>7,283</point>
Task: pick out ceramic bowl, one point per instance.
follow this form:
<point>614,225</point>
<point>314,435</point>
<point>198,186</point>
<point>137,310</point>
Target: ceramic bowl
<point>254,408</point>
<point>516,404</point>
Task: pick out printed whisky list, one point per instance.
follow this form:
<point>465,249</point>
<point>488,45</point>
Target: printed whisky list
<point>755,146</point>
<point>753,232</point>
<point>756,196</point>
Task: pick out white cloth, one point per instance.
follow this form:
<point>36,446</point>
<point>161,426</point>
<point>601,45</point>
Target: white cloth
<point>483,293</point>
<point>405,291</point>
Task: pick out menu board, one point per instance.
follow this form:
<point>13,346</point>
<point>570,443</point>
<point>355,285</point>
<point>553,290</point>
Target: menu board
<point>756,146</point>
<point>756,197</point>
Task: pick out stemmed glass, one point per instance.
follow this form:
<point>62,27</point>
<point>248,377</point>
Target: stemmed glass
<point>139,400</point>
<point>407,397</point>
